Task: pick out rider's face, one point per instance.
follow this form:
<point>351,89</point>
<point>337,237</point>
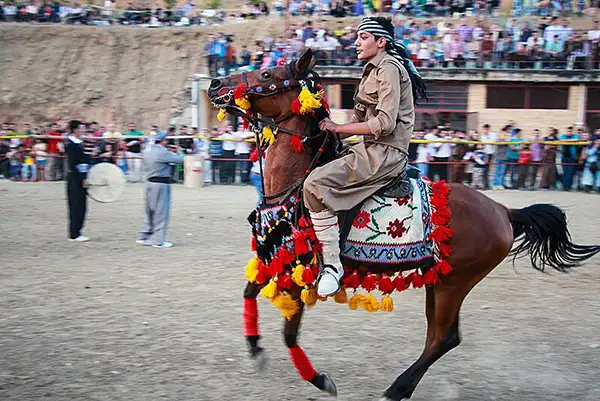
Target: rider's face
<point>367,46</point>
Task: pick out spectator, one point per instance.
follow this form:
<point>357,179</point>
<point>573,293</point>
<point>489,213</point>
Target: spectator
<point>523,166</point>
<point>549,160</point>
<point>501,158</point>
<point>488,136</point>
<point>227,168</point>
<point>242,152</point>
<point>513,156</point>
<point>537,153</point>
<point>215,151</point>
<point>55,154</point>
<point>4,159</point>
<point>590,179</point>
<point>134,152</point>
<point>40,149</point>
<point>569,158</point>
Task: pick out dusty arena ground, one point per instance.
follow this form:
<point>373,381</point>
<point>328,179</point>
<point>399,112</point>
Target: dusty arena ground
<point>112,320</point>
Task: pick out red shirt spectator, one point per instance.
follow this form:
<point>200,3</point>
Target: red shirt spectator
<point>53,146</point>
<point>525,156</point>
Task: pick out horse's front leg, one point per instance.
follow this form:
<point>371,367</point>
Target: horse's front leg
<point>257,354</point>
<point>322,381</point>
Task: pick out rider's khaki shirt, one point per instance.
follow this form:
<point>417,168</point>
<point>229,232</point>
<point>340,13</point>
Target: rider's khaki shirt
<point>384,101</point>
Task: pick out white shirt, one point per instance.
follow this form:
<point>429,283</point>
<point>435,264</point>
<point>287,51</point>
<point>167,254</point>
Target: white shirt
<point>227,144</point>
<point>312,43</point>
<point>490,137</point>
<point>242,148</point>
<point>422,153</point>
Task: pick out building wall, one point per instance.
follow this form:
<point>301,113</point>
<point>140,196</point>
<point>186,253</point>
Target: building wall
<point>529,119</point>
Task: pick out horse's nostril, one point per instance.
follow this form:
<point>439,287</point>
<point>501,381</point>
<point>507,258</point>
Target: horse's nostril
<point>216,84</point>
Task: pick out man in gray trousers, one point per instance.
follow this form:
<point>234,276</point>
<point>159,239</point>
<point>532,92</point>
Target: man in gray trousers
<point>157,168</point>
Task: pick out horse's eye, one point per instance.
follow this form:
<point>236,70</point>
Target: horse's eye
<point>266,74</point>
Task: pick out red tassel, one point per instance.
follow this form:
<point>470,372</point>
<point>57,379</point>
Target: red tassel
<point>304,222</point>
<point>437,220</point>
<point>284,282</point>
<point>369,282</point>
<point>281,62</point>
<point>308,276</point>
<point>445,250</point>
<point>239,91</point>
<point>250,317</point>
<point>441,234</point>
<point>254,156</point>
<point>385,284</point>
<point>318,246</point>
<point>325,103</point>
<point>351,280</point>
<point>245,123</point>
<point>438,201</point>
<point>262,276</point>
<point>300,244</point>
<point>417,280</point>
<point>310,234</point>
<point>297,143</point>
<point>401,283</point>
<point>296,105</point>
<point>286,256</point>
<point>443,267</point>
<point>275,267</point>
<point>253,244</point>
<point>441,187</point>
<point>302,364</point>
<point>431,277</point>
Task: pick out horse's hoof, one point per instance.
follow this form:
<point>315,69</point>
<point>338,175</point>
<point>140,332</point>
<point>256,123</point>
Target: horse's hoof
<point>325,383</point>
<point>259,359</point>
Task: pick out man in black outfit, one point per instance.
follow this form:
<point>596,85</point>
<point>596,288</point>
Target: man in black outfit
<point>78,165</point>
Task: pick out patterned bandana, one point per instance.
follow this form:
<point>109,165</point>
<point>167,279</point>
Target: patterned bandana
<point>397,50</point>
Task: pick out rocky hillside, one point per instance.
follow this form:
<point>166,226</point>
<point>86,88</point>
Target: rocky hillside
<point>114,74</point>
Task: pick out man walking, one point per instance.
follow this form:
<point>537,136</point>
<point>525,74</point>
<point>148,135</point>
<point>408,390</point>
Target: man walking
<point>490,150</point>
<point>78,165</point>
<point>157,166</point>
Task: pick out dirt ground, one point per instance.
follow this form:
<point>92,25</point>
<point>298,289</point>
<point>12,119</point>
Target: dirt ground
<point>112,320</point>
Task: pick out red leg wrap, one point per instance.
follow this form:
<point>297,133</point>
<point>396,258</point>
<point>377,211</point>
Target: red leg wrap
<point>302,364</point>
<point>250,317</point>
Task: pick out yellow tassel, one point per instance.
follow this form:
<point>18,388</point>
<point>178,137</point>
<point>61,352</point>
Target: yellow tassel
<point>222,114</point>
<point>268,135</point>
<point>286,305</point>
<point>356,301</point>
<point>309,101</point>
<point>315,259</point>
<point>297,275</point>
<point>270,290</point>
<point>370,303</point>
<point>243,103</point>
<point>252,269</point>
<point>309,296</point>
<point>341,297</point>
<point>387,303</point>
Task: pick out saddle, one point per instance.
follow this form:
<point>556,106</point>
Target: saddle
<point>400,187</point>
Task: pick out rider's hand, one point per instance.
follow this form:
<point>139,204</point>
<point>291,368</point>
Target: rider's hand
<point>84,184</point>
<point>327,125</point>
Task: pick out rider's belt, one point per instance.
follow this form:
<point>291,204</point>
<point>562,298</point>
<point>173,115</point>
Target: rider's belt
<point>161,180</point>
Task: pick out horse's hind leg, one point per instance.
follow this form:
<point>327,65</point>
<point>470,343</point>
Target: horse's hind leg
<point>442,308</point>
<point>322,381</point>
<point>251,331</point>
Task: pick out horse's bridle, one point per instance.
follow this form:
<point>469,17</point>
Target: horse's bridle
<point>309,78</point>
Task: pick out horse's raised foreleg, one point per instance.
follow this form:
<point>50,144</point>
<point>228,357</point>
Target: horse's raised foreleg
<point>442,309</point>
<point>322,381</point>
<point>257,354</point>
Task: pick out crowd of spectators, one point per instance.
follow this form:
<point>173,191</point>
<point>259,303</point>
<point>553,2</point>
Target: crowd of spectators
<point>192,14</point>
<point>550,43</point>
<point>533,163</point>
<point>40,157</point>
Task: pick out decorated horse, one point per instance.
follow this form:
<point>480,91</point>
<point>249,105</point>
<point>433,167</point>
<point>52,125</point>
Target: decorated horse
<point>412,233</point>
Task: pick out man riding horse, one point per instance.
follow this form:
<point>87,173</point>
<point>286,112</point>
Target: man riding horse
<point>384,113</point>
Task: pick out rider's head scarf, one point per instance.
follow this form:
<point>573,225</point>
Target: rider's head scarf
<point>397,50</point>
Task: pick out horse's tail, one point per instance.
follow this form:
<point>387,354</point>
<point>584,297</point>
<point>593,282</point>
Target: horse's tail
<point>546,238</point>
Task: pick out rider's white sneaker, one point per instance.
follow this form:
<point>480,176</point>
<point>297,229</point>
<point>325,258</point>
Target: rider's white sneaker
<point>329,281</point>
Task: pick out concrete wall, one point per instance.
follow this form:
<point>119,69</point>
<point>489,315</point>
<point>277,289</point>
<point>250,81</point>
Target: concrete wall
<point>528,119</point>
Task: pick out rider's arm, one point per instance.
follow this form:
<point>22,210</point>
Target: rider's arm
<point>388,91</point>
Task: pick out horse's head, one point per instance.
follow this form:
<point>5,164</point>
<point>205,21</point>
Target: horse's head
<point>267,90</point>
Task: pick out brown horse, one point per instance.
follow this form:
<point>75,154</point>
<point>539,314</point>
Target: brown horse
<point>483,231</point>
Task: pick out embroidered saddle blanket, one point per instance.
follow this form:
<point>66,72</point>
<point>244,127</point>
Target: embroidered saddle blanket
<point>388,230</point>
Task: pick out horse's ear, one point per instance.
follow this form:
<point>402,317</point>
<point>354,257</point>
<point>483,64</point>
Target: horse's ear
<point>306,62</point>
